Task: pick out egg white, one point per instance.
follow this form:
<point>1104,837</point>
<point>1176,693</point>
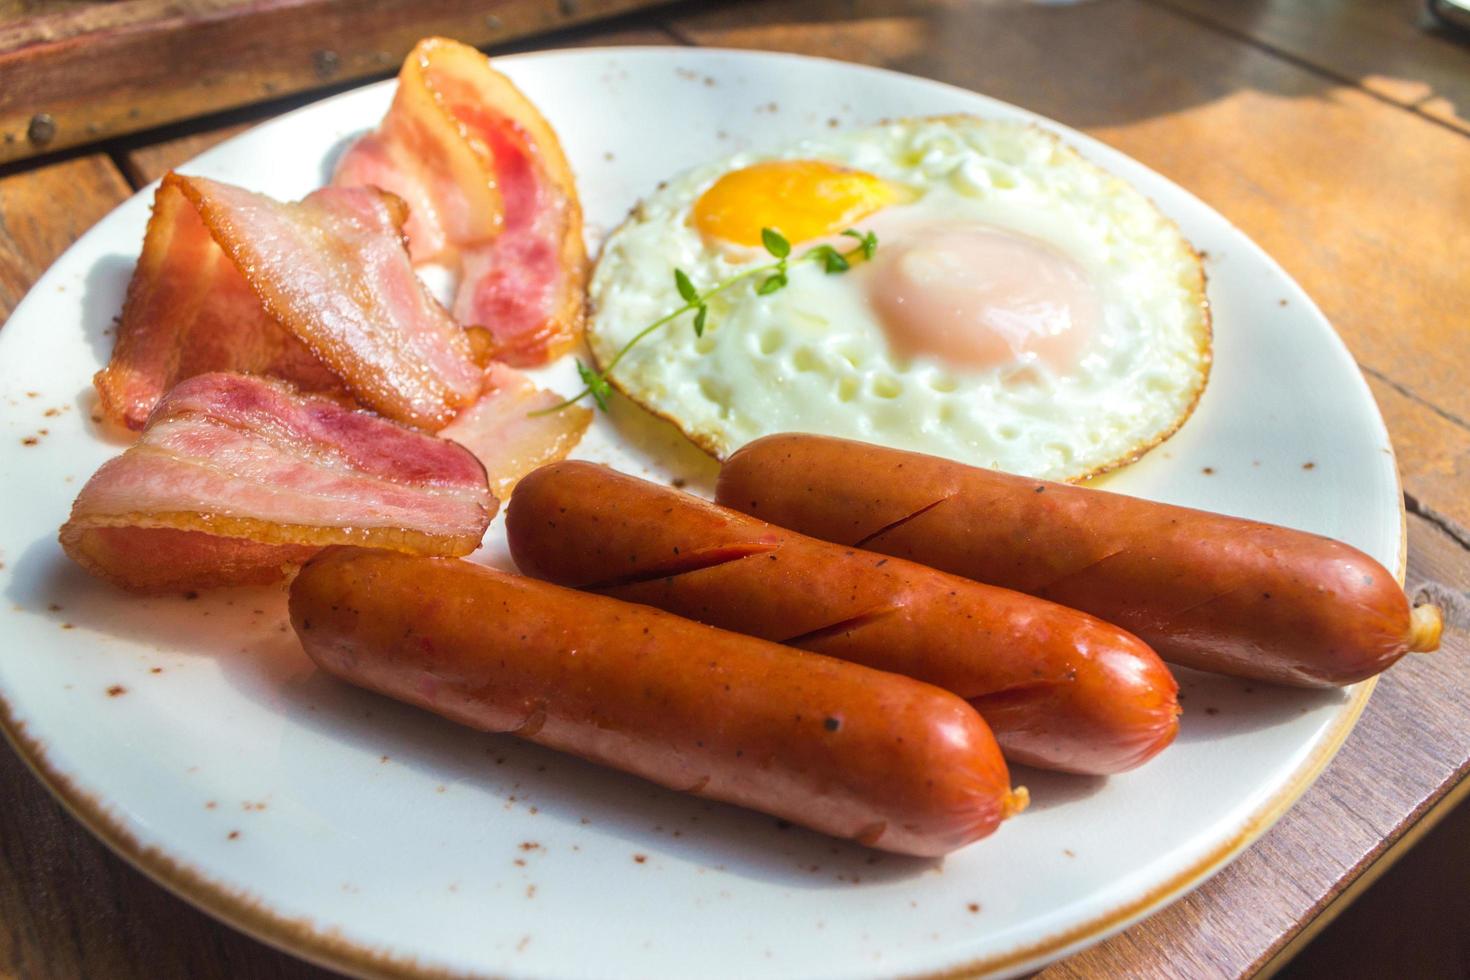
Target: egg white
<point>813,357</point>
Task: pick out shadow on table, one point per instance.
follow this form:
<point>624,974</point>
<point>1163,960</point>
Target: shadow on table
<point>1088,64</point>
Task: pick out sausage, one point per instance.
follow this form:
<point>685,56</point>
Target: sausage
<point>1060,689</point>
<point>885,760</point>
<point>1204,590</point>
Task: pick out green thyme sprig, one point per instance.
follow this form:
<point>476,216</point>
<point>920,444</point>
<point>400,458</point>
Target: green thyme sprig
<point>773,276</point>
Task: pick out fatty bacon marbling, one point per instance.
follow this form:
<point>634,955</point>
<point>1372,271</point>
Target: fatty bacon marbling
<point>488,189</point>
<point>320,293</point>
<point>237,478</point>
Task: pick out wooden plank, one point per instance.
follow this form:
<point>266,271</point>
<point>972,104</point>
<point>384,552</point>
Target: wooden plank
<point>1409,748</point>
<point>150,161</point>
<point>1433,455</point>
<point>43,211</point>
<point>1363,202</point>
<point>1410,922</point>
<point>106,69</point>
<point>1393,48</point>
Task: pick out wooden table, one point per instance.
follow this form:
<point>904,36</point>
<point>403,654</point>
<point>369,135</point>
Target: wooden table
<point>1335,134</point>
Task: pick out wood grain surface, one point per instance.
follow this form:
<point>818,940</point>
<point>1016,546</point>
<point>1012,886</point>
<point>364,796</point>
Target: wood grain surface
<point>1392,48</point>
<point>79,73</point>
<point>1358,188</point>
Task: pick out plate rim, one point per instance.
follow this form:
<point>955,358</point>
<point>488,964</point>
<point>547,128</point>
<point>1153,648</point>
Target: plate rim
<point>326,947</point>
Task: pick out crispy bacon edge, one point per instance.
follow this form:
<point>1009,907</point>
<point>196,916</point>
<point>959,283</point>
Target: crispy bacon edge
<point>140,524</point>
<point>461,144</point>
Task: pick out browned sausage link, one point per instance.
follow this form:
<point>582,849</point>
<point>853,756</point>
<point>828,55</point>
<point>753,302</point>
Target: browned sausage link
<point>1208,591</point>
<point>1060,689</point>
<point>852,752</point>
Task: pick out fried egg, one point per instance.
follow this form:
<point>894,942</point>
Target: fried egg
<point>1024,310</point>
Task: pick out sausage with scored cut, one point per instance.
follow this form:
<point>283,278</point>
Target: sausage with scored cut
<point>1060,689</point>
<point>885,760</point>
<point>1208,591</point>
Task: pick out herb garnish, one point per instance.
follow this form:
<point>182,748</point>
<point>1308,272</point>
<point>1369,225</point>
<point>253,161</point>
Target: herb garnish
<point>773,276</point>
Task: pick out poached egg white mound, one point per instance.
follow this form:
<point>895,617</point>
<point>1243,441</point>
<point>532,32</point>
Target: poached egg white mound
<point>1025,310</point>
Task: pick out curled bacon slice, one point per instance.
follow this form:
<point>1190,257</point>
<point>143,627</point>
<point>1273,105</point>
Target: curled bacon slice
<point>504,434</point>
<point>236,477</point>
<point>189,311</point>
<point>320,292</point>
<point>487,185</point>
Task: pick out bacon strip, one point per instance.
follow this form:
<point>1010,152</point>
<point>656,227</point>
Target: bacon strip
<point>311,292</point>
<point>503,434</point>
<point>487,185</point>
<point>189,311</point>
<point>236,478</point>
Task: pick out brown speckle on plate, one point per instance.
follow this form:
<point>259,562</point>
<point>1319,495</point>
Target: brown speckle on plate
<point>640,858</point>
<point>1208,471</point>
<point>974,908</point>
<point>530,891</point>
<point>233,835</point>
<point>1309,466</point>
<point>116,691</point>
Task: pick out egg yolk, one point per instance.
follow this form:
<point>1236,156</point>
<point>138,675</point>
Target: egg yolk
<point>802,199</point>
<point>975,296</point>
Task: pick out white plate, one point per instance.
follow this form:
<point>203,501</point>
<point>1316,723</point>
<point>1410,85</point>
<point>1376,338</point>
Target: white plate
<point>196,739</point>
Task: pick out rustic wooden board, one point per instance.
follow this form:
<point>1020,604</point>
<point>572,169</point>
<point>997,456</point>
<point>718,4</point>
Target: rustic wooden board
<point>1392,48</point>
<point>150,161</point>
<point>1362,201</point>
<point>43,211</point>
<point>84,73</point>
